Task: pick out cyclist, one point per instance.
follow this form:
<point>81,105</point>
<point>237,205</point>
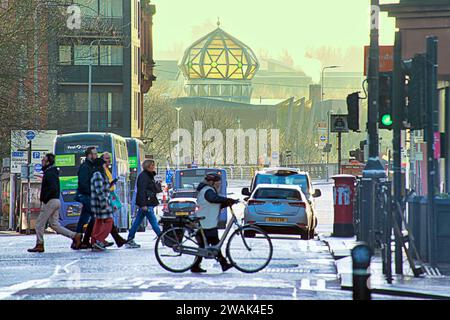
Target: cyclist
<point>210,204</point>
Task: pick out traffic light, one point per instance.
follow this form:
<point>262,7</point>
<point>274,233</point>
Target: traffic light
<point>353,111</point>
<point>385,119</point>
<point>358,154</point>
<point>416,113</point>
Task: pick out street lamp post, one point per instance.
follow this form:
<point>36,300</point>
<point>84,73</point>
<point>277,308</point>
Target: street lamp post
<point>178,133</point>
<point>328,112</point>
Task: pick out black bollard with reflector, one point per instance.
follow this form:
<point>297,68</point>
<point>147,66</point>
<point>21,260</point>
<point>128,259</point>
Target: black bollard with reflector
<point>361,256</point>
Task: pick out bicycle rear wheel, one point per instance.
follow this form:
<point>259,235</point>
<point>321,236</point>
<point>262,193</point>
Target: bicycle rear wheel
<point>167,249</point>
<point>249,254</point>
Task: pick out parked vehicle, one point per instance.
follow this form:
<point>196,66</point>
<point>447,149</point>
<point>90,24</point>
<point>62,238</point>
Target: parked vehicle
<point>287,176</point>
<point>280,209</point>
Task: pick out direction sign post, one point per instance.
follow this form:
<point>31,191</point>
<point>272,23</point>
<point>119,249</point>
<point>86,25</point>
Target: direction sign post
<point>30,136</point>
<point>339,124</point>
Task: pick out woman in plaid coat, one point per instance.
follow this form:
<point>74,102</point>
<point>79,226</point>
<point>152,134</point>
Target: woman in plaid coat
<point>100,206</point>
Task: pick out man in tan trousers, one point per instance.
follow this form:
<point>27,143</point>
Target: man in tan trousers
<point>50,204</point>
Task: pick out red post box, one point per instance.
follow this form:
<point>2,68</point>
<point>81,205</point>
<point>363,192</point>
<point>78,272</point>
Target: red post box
<point>343,195</point>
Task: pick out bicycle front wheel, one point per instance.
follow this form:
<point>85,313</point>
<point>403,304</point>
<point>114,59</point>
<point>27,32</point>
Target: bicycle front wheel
<point>249,249</point>
<point>170,246</point>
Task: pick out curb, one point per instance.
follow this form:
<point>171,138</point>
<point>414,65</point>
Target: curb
<point>384,291</point>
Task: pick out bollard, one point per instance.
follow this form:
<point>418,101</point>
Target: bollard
<point>361,255</point>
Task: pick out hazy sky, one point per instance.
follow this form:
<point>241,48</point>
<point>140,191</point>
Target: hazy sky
<point>295,25</point>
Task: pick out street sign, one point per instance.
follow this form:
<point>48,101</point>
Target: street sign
<point>30,135</point>
<point>323,138</point>
<point>339,123</point>
<point>43,143</point>
<point>386,59</point>
<point>169,175</point>
<point>38,168</point>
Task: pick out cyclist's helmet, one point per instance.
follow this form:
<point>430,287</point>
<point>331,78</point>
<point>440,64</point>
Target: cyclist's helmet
<point>213,177</point>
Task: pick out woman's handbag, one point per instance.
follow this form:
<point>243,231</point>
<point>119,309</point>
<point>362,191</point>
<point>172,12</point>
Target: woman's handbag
<point>115,202</point>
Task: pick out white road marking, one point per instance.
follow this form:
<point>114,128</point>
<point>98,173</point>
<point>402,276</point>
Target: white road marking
<point>7,292</point>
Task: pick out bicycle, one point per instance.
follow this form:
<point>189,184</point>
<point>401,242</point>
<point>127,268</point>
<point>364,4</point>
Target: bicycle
<point>249,249</point>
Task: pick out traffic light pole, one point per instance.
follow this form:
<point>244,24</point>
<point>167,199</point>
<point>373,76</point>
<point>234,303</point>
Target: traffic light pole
<point>374,168</point>
<point>398,105</point>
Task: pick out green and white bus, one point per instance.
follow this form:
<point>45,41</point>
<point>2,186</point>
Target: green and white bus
<point>69,151</point>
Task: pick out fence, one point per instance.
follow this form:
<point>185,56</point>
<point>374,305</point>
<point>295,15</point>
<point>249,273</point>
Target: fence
<point>316,171</point>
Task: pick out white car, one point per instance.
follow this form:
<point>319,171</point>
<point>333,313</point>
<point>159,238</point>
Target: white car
<point>280,209</point>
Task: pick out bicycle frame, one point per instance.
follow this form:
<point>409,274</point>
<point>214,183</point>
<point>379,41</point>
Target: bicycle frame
<point>211,252</point>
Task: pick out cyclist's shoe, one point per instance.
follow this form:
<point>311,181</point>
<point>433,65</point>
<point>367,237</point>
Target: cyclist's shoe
<point>226,266</point>
<point>132,245</point>
<point>197,270</point>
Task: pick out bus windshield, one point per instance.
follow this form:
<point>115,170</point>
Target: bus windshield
<point>191,178</point>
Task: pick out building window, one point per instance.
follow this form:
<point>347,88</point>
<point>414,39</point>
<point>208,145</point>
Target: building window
<point>83,54</point>
<point>111,8</point>
<point>65,55</point>
<point>111,55</point>
<point>106,109</point>
<point>88,8</point>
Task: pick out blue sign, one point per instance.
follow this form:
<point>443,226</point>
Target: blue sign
<point>38,167</point>
<point>30,135</point>
<point>18,154</point>
<point>36,155</point>
<point>169,175</point>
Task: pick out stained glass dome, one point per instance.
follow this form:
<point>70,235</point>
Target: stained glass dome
<point>218,55</point>
<point>219,66</point>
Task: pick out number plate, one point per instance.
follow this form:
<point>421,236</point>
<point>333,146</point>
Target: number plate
<point>276,220</point>
<point>181,213</point>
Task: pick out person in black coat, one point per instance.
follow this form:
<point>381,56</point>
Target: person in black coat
<point>146,200</point>
<point>51,204</point>
<point>83,196</point>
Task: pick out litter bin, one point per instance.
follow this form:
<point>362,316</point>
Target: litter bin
<point>343,195</point>
<point>417,219</point>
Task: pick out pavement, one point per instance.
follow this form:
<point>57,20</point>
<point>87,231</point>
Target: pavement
<point>431,285</point>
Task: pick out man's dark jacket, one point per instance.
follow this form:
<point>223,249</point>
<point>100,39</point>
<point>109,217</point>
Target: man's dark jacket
<point>85,173</point>
<point>50,184</point>
<point>147,188</point>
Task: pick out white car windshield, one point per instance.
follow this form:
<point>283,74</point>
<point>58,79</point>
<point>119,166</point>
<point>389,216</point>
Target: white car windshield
<point>293,179</point>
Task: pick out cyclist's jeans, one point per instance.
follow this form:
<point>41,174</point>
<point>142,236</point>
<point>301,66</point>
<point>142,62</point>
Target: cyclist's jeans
<point>85,215</point>
<point>150,214</point>
<point>212,238</point>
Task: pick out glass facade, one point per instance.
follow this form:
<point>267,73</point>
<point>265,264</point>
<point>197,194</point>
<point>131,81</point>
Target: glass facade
<point>106,109</point>
<point>84,54</point>
<point>110,55</point>
<point>106,8</point>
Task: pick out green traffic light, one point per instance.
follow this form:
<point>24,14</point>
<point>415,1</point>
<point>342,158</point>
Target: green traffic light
<point>387,120</point>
